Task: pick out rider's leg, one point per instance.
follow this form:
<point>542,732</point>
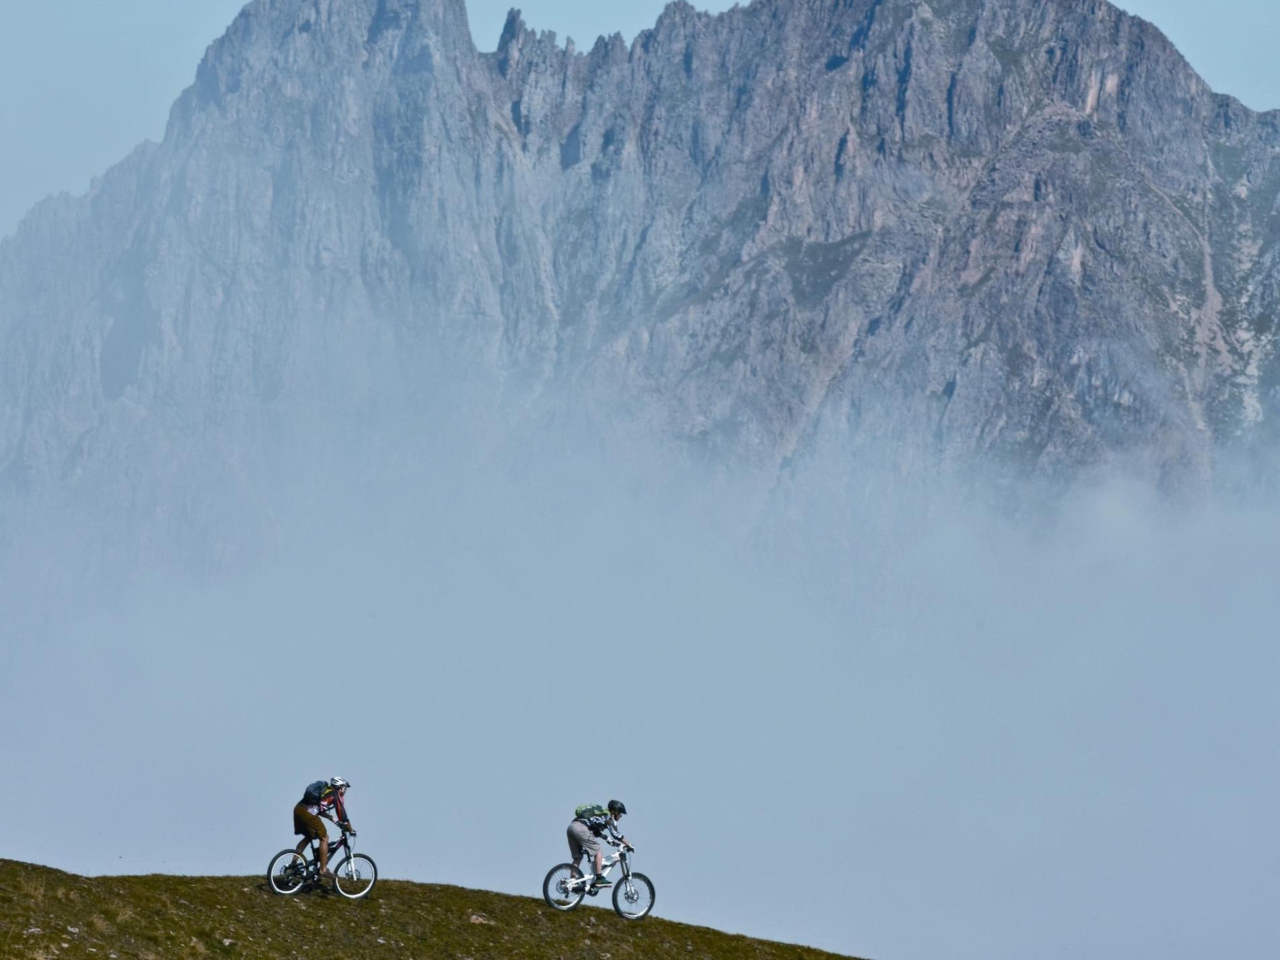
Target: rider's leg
<point>312,828</point>
<point>579,843</point>
<point>304,825</point>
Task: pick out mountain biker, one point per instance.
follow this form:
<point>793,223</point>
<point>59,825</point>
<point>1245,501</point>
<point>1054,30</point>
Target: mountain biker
<point>590,822</point>
<point>319,799</point>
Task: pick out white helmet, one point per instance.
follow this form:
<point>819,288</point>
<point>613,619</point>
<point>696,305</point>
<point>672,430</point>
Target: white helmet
<point>339,782</point>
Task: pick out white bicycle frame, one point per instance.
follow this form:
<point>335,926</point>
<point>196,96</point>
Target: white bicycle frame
<point>608,863</point>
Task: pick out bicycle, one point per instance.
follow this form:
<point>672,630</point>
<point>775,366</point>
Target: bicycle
<point>565,886</point>
<point>353,876</point>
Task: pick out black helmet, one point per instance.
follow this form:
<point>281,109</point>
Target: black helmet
<point>617,807</point>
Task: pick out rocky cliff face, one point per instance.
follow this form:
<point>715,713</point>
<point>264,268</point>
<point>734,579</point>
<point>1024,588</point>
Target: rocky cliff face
<point>948,232</point>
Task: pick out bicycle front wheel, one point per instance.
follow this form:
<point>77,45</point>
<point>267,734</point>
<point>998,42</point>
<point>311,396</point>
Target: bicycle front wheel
<point>287,873</point>
<point>354,876</point>
<point>633,897</point>
<point>559,889</point>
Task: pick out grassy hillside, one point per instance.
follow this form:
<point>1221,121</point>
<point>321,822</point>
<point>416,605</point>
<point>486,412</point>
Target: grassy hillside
<point>46,913</point>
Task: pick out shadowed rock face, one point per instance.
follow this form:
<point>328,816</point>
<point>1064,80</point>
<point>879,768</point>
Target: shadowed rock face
<point>951,232</point>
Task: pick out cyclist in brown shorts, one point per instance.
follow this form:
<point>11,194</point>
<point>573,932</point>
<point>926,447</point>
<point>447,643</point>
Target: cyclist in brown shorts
<point>319,799</point>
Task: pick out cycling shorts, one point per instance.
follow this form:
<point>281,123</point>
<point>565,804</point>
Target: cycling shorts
<point>581,840</point>
<point>307,824</point>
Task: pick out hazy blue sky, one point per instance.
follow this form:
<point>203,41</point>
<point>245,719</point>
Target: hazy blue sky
<point>982,744</point>
<point>84,82</point>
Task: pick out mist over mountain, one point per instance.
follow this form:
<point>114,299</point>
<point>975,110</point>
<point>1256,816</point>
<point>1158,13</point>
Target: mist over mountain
<point>1015,236</point>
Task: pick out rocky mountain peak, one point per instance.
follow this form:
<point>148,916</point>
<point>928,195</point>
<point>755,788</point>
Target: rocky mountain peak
<point>272,42</point>
<point>950,234</point>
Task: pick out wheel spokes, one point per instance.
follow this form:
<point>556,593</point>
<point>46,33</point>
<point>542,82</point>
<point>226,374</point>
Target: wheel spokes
<point>289,873</point>
<point>355,876</point>
<point>634,897</point>
<point>564,888</point>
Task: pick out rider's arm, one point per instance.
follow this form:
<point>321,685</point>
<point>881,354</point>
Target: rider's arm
<point>340,809</point>
<point>323,809</point>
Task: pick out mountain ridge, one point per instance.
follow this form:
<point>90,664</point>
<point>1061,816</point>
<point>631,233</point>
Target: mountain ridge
<point>1018,236</point>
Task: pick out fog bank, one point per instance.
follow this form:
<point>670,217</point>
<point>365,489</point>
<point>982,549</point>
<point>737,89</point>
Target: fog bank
<point>924,730</point>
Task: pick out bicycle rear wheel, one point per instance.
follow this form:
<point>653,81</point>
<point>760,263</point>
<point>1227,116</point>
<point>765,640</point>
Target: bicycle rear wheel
<point>633,897</point>
<point>287,872</point>
<point>559,890</point>
<point>354,876</point>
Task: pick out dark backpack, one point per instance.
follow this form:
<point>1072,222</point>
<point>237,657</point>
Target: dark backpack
<point>315,792</point>
<point>589,810</point>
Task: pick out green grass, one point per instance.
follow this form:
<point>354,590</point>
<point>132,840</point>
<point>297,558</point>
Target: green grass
<point>46,914</point>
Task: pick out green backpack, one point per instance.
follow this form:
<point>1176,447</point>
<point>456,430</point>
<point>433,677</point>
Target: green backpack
<point>589,810</point>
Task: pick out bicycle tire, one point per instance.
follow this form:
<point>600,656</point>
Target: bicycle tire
<point>362,874</point>
<point>287,878</point>
<point>564,899</point>
<point>633,897</point>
